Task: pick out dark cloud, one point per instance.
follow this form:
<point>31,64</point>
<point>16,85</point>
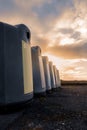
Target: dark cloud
<point>74,51</point>
<point>66,30</point>
<point>7,7</point>
<point>53,7</point>
<point>76,35</point>
<point>71,32</point>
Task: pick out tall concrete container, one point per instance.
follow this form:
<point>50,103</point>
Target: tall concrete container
<point>38,71</point>
<point>56,76</point>
<point>47,73</point>
<point>16,84</point>
<point>53,85</point>
<point>59,81</point>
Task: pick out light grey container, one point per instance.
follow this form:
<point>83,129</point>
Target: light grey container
<point>59,81</point>
<point>53,83</point>
<point>56,76</point>
<point>16,84</point>
<point>38,71</point>
<point>47,73</point>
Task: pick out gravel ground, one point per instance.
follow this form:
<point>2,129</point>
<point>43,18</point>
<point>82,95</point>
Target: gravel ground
<point>65,109</point>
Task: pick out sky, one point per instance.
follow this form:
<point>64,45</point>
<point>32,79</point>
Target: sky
<point>59,27</point>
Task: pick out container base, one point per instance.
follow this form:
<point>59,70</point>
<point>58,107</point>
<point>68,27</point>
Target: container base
<point>42,94</point>
<point>54,89</point>
<point>49,91</point>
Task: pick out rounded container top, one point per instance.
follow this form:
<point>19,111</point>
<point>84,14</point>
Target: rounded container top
<point>24,32</point>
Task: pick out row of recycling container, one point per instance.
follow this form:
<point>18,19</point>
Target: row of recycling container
<point>23,70</point>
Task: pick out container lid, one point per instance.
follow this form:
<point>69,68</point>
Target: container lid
<point>24,32</point>
<point>37,49</point>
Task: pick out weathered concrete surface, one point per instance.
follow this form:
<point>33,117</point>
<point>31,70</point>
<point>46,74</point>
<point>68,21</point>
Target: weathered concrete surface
<point>65,109</point>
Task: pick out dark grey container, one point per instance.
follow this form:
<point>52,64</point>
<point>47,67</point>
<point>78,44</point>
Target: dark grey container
<point>38,71</point>
<point>14,51</point>
<point>47,73</point>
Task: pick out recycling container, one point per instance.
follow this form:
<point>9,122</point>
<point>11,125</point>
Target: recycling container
<point>16,81</point>
<point>38,71</point>
<point>47,73</point>
<point>56,76</point>
<point>53,83</point>
<point>59,81</point>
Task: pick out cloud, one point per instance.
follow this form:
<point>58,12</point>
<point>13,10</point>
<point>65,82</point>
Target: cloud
<point>76,70</point>
<point>7,6</point>
<point>42,42</point>
<point>76,35</point>
<point>69,51</point>
<point>66,30</point>
<point>50,22</point>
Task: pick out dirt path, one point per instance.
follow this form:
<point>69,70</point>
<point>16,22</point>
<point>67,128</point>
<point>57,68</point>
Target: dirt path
<point>65,109</point>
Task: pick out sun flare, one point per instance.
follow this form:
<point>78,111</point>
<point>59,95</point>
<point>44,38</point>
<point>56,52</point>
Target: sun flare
<point>67,41</point>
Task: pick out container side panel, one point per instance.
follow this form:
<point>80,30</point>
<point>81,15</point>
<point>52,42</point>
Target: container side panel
<point>2,88</point>
<point>42,72</point>
<point>36,72</point>
<point>48,73</point>
<point>27,67</point>
<point>52,76</point>
<point>13,65</point>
